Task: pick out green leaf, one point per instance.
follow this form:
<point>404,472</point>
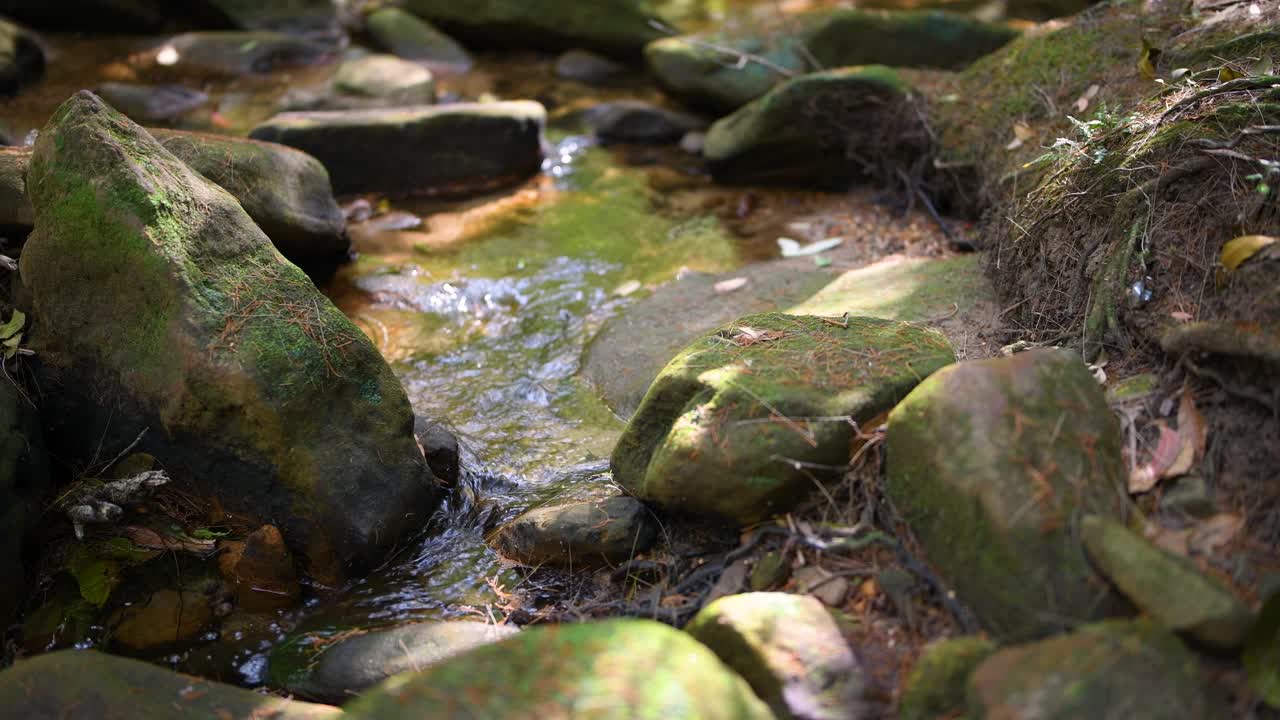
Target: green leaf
<point>16,322</point>
<point>1262,653</point>
<point>207,534</point>
<point>1237,251</point>
<point>96,576</point>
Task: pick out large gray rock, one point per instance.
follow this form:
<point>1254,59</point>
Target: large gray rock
<point>413,38</point>
<point>159,304</point>
<point>382,81</point>
<point>21,58</point>
<point>615,27</point>
<point>151,104</point>
<point>298,17</point>
<point>456,149</point>
<point>1114,670</point>
<point>89,685</point>
<point>717,71</point>
<point>24,484</point>
<point>633,121</point>
<point>992,463</point>
<point>714,436</point>
<point>790,650</point>
<point>348,667</point>
<point>1166,587</point>
<point>826,128</point>
<point>577,535</point>
<point>233,53</point>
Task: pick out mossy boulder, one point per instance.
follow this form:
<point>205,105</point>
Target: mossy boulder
<point>705,70</point>
<point>1114,670</point>
<point>339,670</point>
<point>789,649</point>
<point>287,193</point>
<point>992,463</point>
<point>578,535</point>
<point>458,149</point>
<point>825,128</point>
<point>413,38</point>
<point>89,685</point>
<point>593,671</point>
<point>915,289</point>
<point>24,485</point>
<point>284,191</point>
<point>1170,589</point>
<point>725,430</point>
<point>21,58</point>
<point>937,685</point>
<point>158,305</point>
<point>615,27</point>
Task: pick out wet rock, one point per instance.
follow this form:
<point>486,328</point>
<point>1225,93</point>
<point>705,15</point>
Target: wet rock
<point>831,589</point>
<point>296,17</point>
<point>89,685</point>
<point>588,68</point>
<point>1168,588</point>
<point>261,571</point>
<point>24,484</point>
<point>1107,671</point>
<point>992,463</point>
<point>382,81</point>
<point>16,214</point>
<point>165,619</point>
<point>633,121</point>
<point>829,128</point>
<point>621,369</point>
<point>581,534</point>
<point>938,682</point>
<point>591,670</point>
<point>790,650</point>
<point>237,53</point>
<point>151,104</point>
<point>708,439</point>
<point>458,149</point>
<point>21,58</point>
<point>287,193</point>
<point>694,70</point>
<point>615,27</point>
<point>348,667</point>
<point>413,38</point>
<point>440,447</point>
<point>153,288</point>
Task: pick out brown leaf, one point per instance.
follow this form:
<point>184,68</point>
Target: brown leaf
<point>1173,541</point>
<point>1191,424</point>
<point>728,286</point>
<point>1214,533</point>
<point>1145,477</point>
<point>152,540</point>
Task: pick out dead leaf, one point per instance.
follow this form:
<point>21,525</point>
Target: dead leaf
<point>1022,132</point>
<point>1172,541</point>
<point>1237,251</point>
<point>1082,102</point>
<point>627,288</point>
<point>1214,533</point>
<point>1167,451</point>
<point>728,286</point>
<point>1265,66</point>
<point>1180,316</point>
<point>748,336</point>
<point>1191,424</point>
<point>152,540</point>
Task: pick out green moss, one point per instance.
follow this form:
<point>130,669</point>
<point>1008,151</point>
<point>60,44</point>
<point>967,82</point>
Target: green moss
<point>937,684</point>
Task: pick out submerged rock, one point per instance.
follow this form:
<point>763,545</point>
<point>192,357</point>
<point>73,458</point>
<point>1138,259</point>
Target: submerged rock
<point>152,290</point>
<point>287,193</point>
<point>583,534</point>
<point>166,618</point>
<point>937,685</point>
<point>235,53</point>
<point>151,104</point>
<point>457,149</point>
<point>588,68</point>
<point>24,484</point>
<point>1170,589</point>
<point>588,671</point>
<point>89,685</point>
<point>440,447</point>
<point>633,121</point>
<point>1115,670</point>
<point>790,650</point>
<point>21,58</point>
<point>614,27</point>
<point>827,128</point>
<point>714,436</point>
<point>261,571</point>
<point>382,80</point>
<point>992,463</point>
<point>705,70</point>
<point>413,38</point>
<point>348,667</point>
